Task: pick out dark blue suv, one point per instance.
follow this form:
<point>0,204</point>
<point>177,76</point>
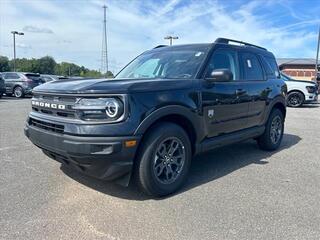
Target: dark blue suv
<point>167,105</point>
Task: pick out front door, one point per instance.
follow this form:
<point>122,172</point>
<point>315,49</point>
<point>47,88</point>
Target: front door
<point>225,104</point>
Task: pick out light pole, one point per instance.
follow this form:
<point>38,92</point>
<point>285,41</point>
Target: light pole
<point>171,38</point>
<point>14,47</point>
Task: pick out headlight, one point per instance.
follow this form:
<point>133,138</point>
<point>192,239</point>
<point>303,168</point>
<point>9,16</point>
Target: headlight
<point>311,89</point>
<point>99,109</point>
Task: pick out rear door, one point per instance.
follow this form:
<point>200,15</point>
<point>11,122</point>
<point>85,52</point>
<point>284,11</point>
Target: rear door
<point>255,81</point>
<point>225,107</point>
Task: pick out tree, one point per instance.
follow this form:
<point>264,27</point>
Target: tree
<point>47,65</point>
<point>4,64</point>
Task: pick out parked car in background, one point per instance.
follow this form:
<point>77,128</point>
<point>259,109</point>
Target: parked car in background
<point>300,91</point>
<point>20,84</point>
<point>49,78</point>
<point>77,78</point>
<point>2,86</point>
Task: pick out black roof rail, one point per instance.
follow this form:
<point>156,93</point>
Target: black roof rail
<point>159,46</point>
<point>227,40</point>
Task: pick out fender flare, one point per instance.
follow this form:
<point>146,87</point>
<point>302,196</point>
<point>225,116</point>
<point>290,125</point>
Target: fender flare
<point>277,100</point>
<point>185,112</point>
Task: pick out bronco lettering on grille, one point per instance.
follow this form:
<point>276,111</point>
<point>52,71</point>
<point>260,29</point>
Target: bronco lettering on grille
<point>48,105</point>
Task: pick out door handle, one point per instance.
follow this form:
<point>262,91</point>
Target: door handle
<point>240,92</point>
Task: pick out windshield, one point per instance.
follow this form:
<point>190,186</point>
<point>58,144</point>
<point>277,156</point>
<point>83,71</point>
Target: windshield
<point>164,64</point>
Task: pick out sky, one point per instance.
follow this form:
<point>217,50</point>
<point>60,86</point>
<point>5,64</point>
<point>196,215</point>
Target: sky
<point>71,30</point>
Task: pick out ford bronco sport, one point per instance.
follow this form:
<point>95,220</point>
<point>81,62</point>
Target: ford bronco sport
<point>164,107</point>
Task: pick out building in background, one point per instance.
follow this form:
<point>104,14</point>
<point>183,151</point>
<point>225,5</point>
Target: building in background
<point>298,68</point>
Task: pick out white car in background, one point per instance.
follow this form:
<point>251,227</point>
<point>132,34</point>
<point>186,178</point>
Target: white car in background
<point>299,91</point>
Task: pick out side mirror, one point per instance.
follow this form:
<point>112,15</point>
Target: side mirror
<point>220,75</point>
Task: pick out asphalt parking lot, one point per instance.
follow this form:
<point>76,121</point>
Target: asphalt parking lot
<point>236,192</point>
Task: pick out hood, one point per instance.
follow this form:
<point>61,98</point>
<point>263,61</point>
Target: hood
<point>301,81</point>
<point>113,86</point>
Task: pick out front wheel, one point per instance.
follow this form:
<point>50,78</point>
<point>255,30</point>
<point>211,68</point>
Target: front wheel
<point>272,136</point>
<point>295,99</point>
<point>164,160</point>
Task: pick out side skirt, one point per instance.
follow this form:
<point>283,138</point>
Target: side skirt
<point>219,141</point>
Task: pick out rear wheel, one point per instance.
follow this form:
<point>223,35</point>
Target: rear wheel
<point>295,99</point>
<point>18,92</point>
<point>164,160</point>
<point>272,136</point>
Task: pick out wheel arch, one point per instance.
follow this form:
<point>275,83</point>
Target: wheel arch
<point>182,116</point>
<point>299,91</point>
<point>281,107</point>
<point>280,103</point>
<point>15,86</point>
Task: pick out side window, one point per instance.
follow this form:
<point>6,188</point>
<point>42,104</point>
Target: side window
<point>224,58</point>
<point>273,65</point>
<point>11,76</point>
<point>251,67</point>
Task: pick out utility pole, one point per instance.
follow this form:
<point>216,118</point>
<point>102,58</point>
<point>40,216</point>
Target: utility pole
<point>104,51</point>
<point>170,38</point>
<point>317,58</point>
<point>14,33</point>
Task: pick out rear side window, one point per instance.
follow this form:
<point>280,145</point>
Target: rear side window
<point>251,67</point>
<point>271,66</point>
<point>33,76</point>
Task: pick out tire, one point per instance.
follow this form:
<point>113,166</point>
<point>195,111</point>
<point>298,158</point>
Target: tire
<point>159,173</point>
<point>18,92</point>
<point>271,138</point>
<point>295,99</point>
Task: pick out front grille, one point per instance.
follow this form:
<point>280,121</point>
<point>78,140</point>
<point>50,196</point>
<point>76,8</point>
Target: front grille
<point>52,127</point>
<point>68,102</point>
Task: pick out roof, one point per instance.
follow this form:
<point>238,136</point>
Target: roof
<point>296,61</point>
<point>193,46</point>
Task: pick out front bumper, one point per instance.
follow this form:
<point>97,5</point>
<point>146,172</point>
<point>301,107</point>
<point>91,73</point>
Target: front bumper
<point>311,97</point>
<point>105,158</point>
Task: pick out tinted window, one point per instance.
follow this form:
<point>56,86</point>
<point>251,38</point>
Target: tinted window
<point>223,58</point>
<point>271,66</point>
<point>11,76</point>
<point>47,79</point>
<point>251,66</point>
<point>164,64</point>
<point>35,77</point>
